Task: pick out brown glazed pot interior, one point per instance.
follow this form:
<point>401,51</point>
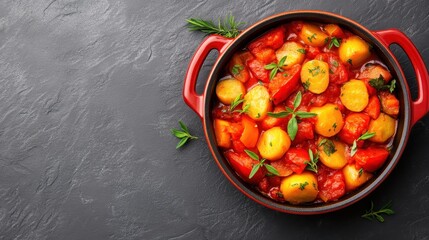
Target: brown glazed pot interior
<point>385,55</point>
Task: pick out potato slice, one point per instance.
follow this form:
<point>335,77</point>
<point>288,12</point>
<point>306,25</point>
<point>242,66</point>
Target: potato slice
<point>293,56</point>
<point>315,76</point>
<point>332,153</point>
<point>355,178</point>
<point>227,90</point>
<point>273,143</point>
<point>383,127</point>
<point>329,119</point>
<point>258,100</point>
<point>354,50</point>
<point>312,35</point>
<point>299,188</point>
<point>354,95</point>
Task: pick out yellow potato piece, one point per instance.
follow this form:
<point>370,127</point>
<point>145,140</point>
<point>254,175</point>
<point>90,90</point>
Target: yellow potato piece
<point>383,127</point>
<point>299,188</point>
<point>353,178</point>
<point>354,95</point>
<point>273,143</point>
<point>354,50</point>
<point>293,56</point>
<point>227,90</point>
<point>312,35</point>
<point>332,153</point>
<point>315,76</point>
<point>329,120</point>
<point>258,99</point>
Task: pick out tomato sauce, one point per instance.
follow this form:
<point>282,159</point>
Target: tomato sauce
<point>305,113</point>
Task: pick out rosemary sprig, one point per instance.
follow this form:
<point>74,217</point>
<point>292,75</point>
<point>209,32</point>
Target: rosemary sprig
<point>371,214</point>
<point>227,28</point>
<point>183,134</point>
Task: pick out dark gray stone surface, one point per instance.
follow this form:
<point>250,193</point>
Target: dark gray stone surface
<point>89,91</point>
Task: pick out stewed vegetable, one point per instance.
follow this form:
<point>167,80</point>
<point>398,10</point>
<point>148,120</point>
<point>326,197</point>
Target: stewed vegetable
<point>306,113</point>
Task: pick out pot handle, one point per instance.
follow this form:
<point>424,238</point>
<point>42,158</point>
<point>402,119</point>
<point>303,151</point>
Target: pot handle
<point>420,106</point>
<point>192,99</point>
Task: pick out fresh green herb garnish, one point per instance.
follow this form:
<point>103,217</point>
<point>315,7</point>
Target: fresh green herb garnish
<point>261,163</point>
<point>302,185</point>
<point>378,83</point>
<point>349,61</point>
<point>292,126</point>
<point>360,172</point>
<point>312,164</point>
<point>236,69</point>
<point>244,110</point>
<point>183,134</point>
<point>227,28</point>
<point>365,136</point>
<point>371,214</point>
<point>310,39</point>
<point>335,63</point>
<point>274,67</point>
<point>328,146</point>
<point>301,50</point>
<point>334,42</point>
<point>235,102</point>
<point>306,84</point>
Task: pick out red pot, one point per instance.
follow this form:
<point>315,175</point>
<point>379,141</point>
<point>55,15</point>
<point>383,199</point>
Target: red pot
<point>411,111</point>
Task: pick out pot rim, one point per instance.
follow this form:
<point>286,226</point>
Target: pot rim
<point>383,51</point>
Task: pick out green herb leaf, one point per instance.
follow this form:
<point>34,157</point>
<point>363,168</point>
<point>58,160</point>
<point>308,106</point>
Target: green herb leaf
<point>360,172</point>
<point>236,69</point>
<point>312,164</point>
<point>302,185</point>
<point>379,84</point>
<point>235,102</point>
<point>292,127</point>
<point>270,66</point>
<point>252,154</point>
<point>273,73</point>
<point>334,63</point>
<point>366,135</point>
<point>354,149</point>
<point>334,42</point>
<point>302,114</point>
<point>306,84</point>
<point>297,100</point>
<point>227,28</point>
<point>282,114</point>
<point>310,39</point>
<point>271,169</point>
<point>244,110</point>
<point>255,169</point>
<point>349,61</point>
<point>282,61</point>
<point>301,50</point>
<point>328,147</point>
<point>376,215</point>
<point>182,134</point>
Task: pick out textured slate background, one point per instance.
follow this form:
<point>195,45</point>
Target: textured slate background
<point>89,91</point>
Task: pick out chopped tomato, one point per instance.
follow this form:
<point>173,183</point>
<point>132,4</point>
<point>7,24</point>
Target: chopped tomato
<point>370,159</point>
<point>223,137</point>
<point>258,70</point>
<point>238,68</point>
<point>373,107</point>
<point>276,194</point>
<point>305,131</point>
<point>223,112</point>
<point>265,55</point>
<point>250,134</point>
<point>284,83</point>
<point>270,122</point>
<point>355,125</point>
<point>389,104</point>
<point>331,184</point>
<point>273,39</point>
<point>374,71</point>
<point>296,158</point>
<point>311,52</point>
<point>334,30</point>
<point>243,165</point>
